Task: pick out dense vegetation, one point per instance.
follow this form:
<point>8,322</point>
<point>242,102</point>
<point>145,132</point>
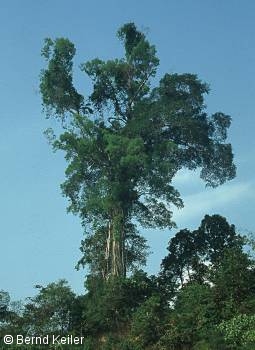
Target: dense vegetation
<point>203,298</point>
<point>124,144</point>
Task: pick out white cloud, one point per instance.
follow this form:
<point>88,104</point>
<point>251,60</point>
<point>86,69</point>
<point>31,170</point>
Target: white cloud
<point>186,177</point>
<point>212,201</point>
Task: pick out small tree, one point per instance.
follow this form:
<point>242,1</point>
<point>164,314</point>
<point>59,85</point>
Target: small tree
<point>191,253</point>
<point>4,304</point>
<point>50,310</point>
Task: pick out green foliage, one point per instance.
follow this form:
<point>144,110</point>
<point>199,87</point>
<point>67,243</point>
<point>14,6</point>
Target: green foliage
<point>136,313</point>
<point>56,85</point>
<point>4,304</point>
<point>193,316</point>
<point>212,279</point>
<point>146,322</point>
<point>239,331</point>
<point>234,283</point>
<point>193,254</point>
<point>126,141</point>
<point>215,235</point>
<point>50,310</point>
<point>109,305</point>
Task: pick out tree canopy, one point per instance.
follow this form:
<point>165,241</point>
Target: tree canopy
<point>126,141</point>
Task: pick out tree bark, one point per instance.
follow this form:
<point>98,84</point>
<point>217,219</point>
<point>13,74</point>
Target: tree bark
<point>115,254</point>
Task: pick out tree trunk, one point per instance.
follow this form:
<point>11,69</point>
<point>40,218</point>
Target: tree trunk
<point>115,261</point>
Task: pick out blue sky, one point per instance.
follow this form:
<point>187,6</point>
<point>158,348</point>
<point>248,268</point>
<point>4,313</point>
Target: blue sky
<point>214,39</point>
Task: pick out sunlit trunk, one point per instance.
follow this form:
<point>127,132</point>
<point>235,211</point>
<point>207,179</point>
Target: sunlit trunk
<point>115,261</point>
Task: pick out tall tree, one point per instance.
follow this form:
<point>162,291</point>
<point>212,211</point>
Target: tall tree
<point>127,140</point>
